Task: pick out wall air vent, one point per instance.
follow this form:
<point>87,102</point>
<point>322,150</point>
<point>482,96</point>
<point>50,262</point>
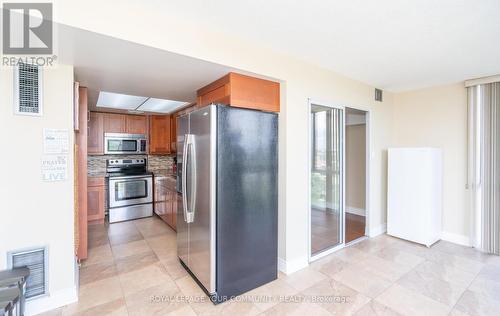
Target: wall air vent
<point>36,261</point>
<point>378,95</point>
<point>28,89</point>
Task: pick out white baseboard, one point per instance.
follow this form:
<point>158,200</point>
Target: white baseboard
<point>55,300</point>
<point>456,238</point>
<point>355,211</point>
<point>378,230</point>
<point>291,266</point>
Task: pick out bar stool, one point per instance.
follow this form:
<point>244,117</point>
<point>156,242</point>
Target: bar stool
<point>5,308</point>
<point>16,277</point>
<point>9,299</point>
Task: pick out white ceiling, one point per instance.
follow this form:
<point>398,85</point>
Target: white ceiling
<point>104,63</point>
<point>391,44</point>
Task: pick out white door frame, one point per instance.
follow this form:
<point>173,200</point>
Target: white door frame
<point>326,252</point>
<point>342,244</point>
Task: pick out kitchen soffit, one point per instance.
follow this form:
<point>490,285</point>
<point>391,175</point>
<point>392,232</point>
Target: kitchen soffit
<point>137,103</point>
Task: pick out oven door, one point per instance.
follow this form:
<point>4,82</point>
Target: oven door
<point>130,190</point>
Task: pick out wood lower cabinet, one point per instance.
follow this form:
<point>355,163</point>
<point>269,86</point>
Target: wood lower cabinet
<point>95,134</point>
<point>242,91</point>
<point>165,200</point>
<point>175,201</point>
<point>96,199</point>
<point>159,134</point>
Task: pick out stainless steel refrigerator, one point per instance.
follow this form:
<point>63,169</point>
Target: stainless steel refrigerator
<point>227,176</point>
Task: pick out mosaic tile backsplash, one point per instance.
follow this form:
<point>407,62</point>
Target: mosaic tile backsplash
<point>96,165</point>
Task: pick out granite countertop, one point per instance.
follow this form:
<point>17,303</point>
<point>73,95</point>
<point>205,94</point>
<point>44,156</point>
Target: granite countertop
<point>164,180</point>
<point>156,172</point>
<point>164,173</point>
<point>96,174</point>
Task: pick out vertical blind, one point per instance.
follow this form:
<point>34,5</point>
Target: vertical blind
<point>484,164</point>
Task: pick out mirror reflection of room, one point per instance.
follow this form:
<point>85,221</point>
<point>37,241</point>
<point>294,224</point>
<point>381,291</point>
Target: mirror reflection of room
<point>326,177</point>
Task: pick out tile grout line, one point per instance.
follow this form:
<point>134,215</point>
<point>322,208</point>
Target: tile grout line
<point>117,272</point>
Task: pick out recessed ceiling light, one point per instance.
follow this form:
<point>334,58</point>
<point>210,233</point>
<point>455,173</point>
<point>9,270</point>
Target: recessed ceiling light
<point>161,105</point>
<point>119,101</point>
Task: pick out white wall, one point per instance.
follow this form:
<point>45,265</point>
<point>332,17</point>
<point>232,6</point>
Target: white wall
<point>44,211</point>
<point>355,168</point>
<point>437,117</point>
<point>165,30</point>
<point>300,81</point>
<point>33,212</point>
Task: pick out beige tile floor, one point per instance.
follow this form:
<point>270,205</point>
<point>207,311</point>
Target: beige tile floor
<point>133,270</point>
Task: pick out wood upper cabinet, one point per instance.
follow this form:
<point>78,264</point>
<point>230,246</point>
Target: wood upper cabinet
<point>159,134</point>
<point>125,123</point>
<point>242,91</point>
<point>96,199</point>
<point>173,133</point>
<point>115,123</point>
<point>101,123</point>
<point>136,124</point>
<point>95,134</point>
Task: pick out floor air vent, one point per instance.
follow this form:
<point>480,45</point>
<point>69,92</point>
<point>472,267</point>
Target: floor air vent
<point>36,261</point>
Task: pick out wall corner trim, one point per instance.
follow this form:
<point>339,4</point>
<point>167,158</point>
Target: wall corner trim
<point>291,266</point>
<point>456,238</point>
<point>55,300</point>
<point>378,230</point>
<point>355,211</point>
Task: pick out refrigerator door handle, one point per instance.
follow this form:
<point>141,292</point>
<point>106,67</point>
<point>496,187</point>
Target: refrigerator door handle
<point>184,176</point>
<point>192,196</point>
<point>190,152</point>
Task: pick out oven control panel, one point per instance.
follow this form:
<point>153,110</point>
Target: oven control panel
<point>126,162</point>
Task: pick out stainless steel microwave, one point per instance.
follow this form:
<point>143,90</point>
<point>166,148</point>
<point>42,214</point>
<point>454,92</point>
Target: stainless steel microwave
<point>124,144</point>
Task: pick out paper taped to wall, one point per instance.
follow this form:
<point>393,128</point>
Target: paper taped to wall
<point>54,168</point>
<point>55,141</point>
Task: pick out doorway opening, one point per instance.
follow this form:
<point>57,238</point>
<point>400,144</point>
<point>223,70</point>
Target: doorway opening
<point>355,174</point>
<point>338,177</point>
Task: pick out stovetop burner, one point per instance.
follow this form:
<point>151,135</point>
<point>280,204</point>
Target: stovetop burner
<point>126,167</point>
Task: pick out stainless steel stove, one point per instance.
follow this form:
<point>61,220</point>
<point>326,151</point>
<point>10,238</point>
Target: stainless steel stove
<point>130,189</point>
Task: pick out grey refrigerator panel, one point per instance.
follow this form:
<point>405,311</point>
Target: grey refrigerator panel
<point>182,226</point>
<point>227,211</point>
<point>201,198</point>
<point>247,200</point>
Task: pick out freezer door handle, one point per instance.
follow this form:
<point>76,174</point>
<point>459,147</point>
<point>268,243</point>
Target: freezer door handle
<point>184,177</point>
<point>189,158</point>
